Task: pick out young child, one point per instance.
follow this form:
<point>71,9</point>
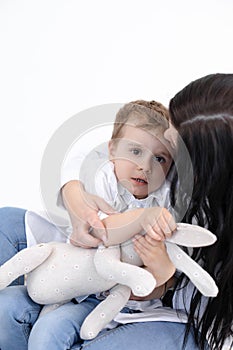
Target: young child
<point>133,178</point>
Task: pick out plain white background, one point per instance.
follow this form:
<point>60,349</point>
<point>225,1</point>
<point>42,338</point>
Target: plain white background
<point>59,57</point>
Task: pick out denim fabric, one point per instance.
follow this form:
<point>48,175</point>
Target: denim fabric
<point>21,329</point>
<point>17,313</point>
<point>59,329</point>
<point>12,235</point>
<point>141,336</point>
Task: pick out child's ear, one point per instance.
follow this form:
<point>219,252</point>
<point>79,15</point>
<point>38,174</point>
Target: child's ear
<point>111,149</point>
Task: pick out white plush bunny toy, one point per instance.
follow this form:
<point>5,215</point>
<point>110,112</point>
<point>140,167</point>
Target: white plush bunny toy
<point>57,272</point>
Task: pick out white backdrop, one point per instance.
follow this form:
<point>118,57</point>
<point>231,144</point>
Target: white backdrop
<point>59,57</point>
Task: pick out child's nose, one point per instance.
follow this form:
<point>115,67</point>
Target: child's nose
<point>145,165</point>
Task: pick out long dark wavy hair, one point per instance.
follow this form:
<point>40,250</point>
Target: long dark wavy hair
<point>203,115</point>
<point>208,95</point>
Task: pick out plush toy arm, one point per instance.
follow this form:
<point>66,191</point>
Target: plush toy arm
<point>105,311</point>
<point>108,265</point>
<point>200,278</point>
<point>23,262</point>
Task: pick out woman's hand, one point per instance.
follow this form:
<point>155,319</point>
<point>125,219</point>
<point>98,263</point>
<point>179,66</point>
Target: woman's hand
<point>83,208</point>
<point>155,258</point>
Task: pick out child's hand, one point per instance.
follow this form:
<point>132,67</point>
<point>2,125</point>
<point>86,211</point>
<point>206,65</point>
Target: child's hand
<point>154,256</point>
<point>158,223</point>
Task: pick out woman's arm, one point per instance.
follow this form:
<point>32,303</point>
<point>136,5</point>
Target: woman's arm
<point>83,208</point>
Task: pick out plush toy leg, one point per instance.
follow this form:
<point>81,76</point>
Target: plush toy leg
<point>108,265</point>
<point>105,312</point>
<point>200,278</point>
<point>51,307</point>
<point>23,262</point>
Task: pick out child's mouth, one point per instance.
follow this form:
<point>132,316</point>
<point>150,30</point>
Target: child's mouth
<point>137,179</point>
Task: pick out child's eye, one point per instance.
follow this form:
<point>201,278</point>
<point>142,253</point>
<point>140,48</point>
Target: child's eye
<point>136,151</point>
<point>159,159</point>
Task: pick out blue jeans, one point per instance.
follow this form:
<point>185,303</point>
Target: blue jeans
<point>59,329</point>
<point>12,235</point>
<point>21,329</point>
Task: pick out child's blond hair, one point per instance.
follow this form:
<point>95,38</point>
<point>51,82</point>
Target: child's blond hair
<point>146,115</point>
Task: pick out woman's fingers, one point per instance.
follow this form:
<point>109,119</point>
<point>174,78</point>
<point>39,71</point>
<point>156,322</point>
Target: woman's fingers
<point>82,238</point>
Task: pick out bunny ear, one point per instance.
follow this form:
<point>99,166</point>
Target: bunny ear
<point>192,236</point>
<point>200,278</point>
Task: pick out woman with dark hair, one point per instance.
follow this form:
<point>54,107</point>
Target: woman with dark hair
<point>210,144</point>
<point>202,114</point>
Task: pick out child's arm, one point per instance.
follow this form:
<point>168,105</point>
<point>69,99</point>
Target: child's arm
<point>156,221</point>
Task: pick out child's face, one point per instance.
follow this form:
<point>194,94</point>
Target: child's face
<point>141,160</point>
